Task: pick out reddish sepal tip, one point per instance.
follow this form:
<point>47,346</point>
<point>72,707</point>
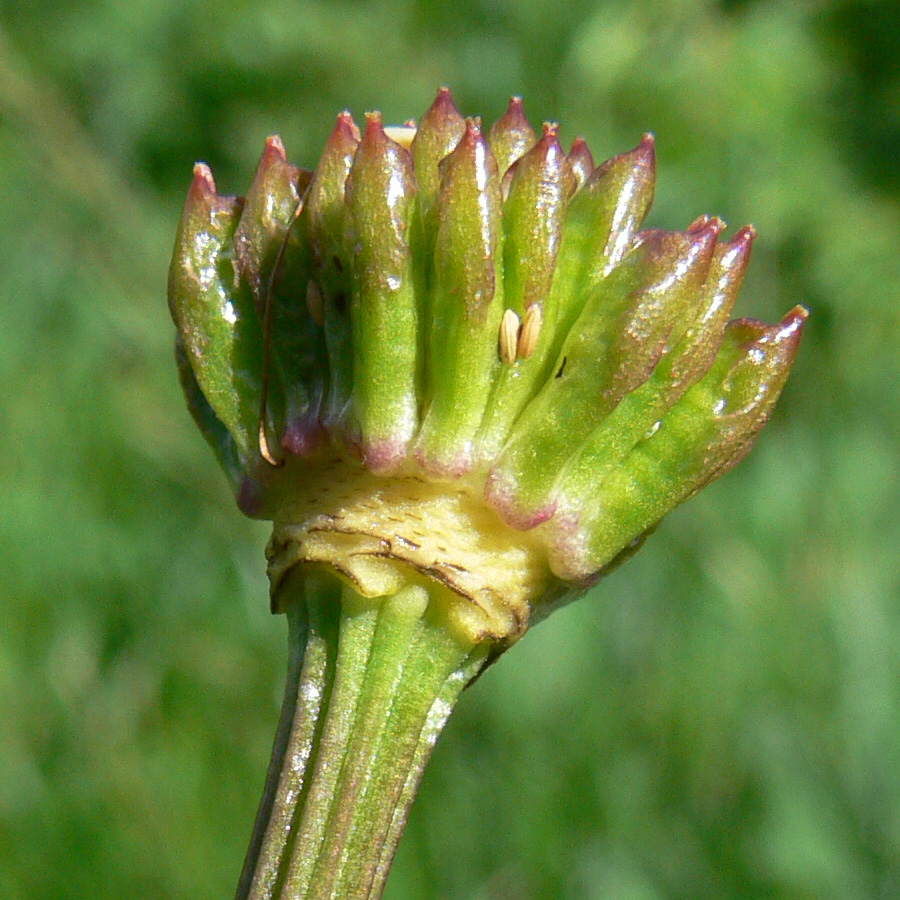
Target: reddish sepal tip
<point>274,149</point>
<point>203,183</point>
<point>346,125</point>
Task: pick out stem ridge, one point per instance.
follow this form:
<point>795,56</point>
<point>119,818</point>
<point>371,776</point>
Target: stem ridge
<point>370,685</point>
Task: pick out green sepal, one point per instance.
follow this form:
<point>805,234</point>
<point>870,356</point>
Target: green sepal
<point>217,324</point>
<point>612,349</point>
<point>707,432</point>
<point>467,305</point>
<point>322,226</point>
<point>385,320</point>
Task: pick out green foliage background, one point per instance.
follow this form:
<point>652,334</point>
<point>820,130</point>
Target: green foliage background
<point>720,719</point>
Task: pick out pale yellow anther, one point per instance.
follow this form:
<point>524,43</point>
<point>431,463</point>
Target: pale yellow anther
<point>510,325</point>
<point>401,134</point>
<point>265,451</point>
<point>315,302</point>
<point>531,330</point>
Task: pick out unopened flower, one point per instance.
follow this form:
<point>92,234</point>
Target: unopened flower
<point>479,369</point>
<point>450,360</point>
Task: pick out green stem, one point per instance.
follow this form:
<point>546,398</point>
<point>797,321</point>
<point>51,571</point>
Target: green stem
<point>370,685</point>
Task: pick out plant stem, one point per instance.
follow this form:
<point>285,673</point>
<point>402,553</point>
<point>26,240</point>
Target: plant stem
<point>370,685</point>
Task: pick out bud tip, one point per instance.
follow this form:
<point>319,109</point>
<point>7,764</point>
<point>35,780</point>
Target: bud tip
<point>510,326</point>
<point>646,149</point>
<point>791,326</point>
<point>274,149</point>
<point>345,126</point>
<point>203,183</point>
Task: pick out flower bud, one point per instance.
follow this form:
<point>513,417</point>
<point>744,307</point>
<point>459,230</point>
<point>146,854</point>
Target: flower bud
<point>602,221</point>
<point>534,212</point>
<point>533,216</point>
<point>612,349</point>
<point>268,210</point>
<point>472,368</point>
<point>466,306</point>
<point>438,134</point>
<point>383,312</point>
<point>322,225</point>
<point>217,325</point>
<point>702,436</point>
<point>274,268</point>
<point>511,136</point>
<point>688,357</point>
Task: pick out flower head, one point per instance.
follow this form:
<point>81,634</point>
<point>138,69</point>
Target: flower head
<point>452,354</point>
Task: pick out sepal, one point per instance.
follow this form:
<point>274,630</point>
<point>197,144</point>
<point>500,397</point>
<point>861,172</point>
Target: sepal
<point>214,432</point>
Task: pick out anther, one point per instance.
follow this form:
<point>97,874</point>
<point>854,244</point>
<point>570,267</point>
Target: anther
<point>264,450</point>
<point>531,330</point>
<point>401,134</point>
<point>510,326</point>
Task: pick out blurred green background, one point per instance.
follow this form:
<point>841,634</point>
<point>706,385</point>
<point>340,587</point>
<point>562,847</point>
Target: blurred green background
<point>720,719</point>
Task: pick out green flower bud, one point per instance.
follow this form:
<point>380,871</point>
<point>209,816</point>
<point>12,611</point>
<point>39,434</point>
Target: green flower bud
<point>697,439</point>
<point>384,316</point>
<point>466,306</point>
<point>456,361</point>
<point>218,328</point>
<point>438,133</point>
<point>610,351</point>
<point>274,269</point>
<point>321,225</point>
<point>511,136</point>
<point>534,212</point>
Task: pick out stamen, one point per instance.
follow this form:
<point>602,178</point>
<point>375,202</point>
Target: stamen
<point>531,330</point>
<point>264,450</point>
<point>510,326</point>
<point>402,134</point>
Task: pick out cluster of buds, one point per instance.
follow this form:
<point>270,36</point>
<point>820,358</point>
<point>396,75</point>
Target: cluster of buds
<point>451,355</point>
